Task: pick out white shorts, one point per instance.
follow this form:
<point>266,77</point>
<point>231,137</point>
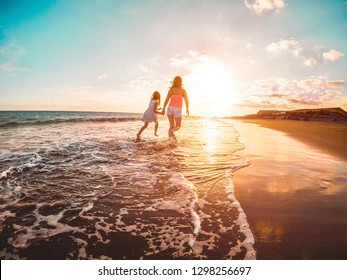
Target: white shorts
<point>174,111</point>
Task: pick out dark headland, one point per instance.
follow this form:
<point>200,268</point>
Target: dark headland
<point>322,114</point>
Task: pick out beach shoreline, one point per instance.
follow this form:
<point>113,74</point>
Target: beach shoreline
<point>328,136</point>
<point>294,191</point>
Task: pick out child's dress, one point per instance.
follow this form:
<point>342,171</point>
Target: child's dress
<point>149,115</point>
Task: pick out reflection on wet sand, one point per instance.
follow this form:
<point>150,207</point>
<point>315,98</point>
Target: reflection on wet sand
<point>294,195</point>
<point>268,231</point>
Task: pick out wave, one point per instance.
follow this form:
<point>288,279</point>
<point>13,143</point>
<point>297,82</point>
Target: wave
<point>10,124</point>
<point>172,199</point>
<point>8,176</point>
<point>33,160</point>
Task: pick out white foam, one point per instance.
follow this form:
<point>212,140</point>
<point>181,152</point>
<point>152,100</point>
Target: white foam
<point>179,179</point>
<point>241,221</point>
<point>5,255</point>
<point>12,191</point>
<point>33,160</point>
<point>7,172</point>
<point>81,244</point>
<point>15,190</point>
<point>89,206</point>
<point>166,236</point>
<point>27,233</point>
<point>6,214</point>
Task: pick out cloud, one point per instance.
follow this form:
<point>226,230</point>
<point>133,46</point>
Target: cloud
<point>321,82</point>
<point>179,62</point>
<point>261,105</point>
<point>103,76</point>
<point>275,95</point>
<point>286,93</point>
<point>262,6</point>
<point>332,55</point>
<point>193,58</point>
<point>10,67</point>
<point>303,102</point>
<point>192,61</point>
<point>294,48</point>
<point>140,83</point>
<point>145,85</point>
<point>86,98</point>
<point>310,62</point>
<point>145,69</point>
<point>285,46</point>
<point>10,55</point>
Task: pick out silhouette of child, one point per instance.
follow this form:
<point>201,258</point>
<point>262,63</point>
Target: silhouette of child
<point>150,115</point>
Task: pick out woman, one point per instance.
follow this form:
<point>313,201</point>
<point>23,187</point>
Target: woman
<point>175,95</point>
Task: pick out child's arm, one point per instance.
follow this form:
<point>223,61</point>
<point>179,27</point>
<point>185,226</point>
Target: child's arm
<point>155,109</point>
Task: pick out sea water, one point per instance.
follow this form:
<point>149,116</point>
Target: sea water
<point>76,185</point>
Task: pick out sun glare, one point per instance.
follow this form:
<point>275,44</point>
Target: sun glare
<point>211,87</point>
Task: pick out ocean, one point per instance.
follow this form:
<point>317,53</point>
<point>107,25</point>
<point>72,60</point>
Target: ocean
<point>76,185</point>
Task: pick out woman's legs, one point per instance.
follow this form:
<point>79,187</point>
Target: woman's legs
<point>175,119</point>
<point>172,125</point>
<point>175,124</point>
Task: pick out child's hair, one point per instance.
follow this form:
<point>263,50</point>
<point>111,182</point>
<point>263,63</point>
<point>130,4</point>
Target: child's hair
<point>156,96</point>
<point>177,82</point>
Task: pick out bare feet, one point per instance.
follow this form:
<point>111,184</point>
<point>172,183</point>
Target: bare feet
<point>155,134</point>
<point>138,137</point>
<point>171,134</point>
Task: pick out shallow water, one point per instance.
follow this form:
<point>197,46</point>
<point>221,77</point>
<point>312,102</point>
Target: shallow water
<point>79,187</point>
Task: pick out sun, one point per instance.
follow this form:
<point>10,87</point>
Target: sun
<point>211,88</point>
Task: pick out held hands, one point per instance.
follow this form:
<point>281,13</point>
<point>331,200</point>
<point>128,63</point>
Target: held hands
<point>157,111</point>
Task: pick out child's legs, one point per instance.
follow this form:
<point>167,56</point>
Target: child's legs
<point>142,129</point>
<point>156,128</point>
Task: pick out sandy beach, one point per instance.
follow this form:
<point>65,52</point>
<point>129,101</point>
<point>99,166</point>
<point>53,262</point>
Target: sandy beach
<point>328,136</point>
<point>295,190</point>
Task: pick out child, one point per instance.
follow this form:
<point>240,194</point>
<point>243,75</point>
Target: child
<point>150,115</point>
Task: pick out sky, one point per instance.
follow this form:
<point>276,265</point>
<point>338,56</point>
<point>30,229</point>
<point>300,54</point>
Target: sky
<point>235,56</point>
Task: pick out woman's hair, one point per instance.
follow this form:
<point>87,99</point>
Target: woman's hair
<point>156,96</point>
<point>177,82</point>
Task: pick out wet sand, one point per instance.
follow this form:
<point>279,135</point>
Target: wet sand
<point>294,193</point>
<point>329,136</point>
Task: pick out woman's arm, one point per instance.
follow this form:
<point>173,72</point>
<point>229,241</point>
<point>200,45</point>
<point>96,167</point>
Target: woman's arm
<point>185,96</point>
<point>167,100</point>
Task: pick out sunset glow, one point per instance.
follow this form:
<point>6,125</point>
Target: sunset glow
<point>211,85</point>
<point>235,57</point>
